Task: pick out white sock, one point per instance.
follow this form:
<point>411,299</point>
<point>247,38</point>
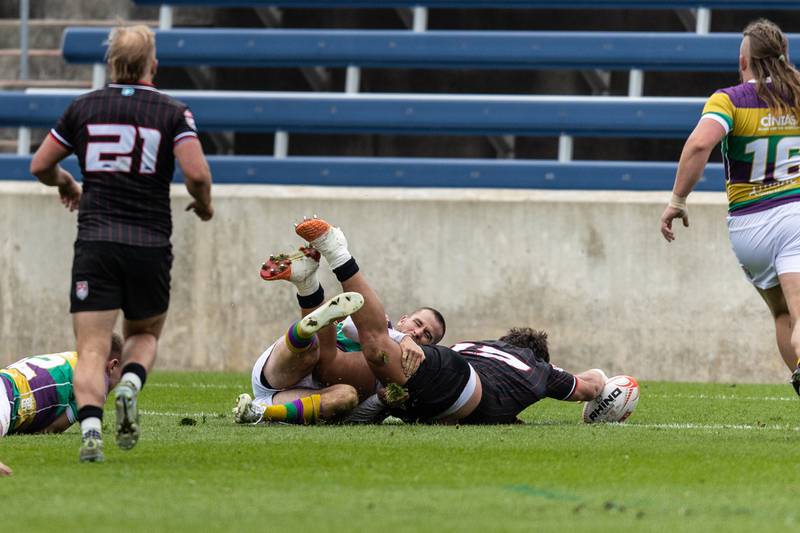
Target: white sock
<point>308,286</point>
<point>333,247</point>
<point>338,257</point>
<point>133,379</point>
<point>91,424</point>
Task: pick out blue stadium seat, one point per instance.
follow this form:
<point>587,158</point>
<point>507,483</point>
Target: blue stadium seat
<point>431,49</point>
<point>402,113</point>
<point>417,172</point>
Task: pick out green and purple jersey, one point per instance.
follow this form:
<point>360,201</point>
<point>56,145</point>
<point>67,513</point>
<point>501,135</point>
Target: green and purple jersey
<point>39,390</point>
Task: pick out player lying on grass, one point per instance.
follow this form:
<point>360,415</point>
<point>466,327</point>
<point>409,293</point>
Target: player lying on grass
<point>474,382</point>
<point>282,375</point>
<point>37,394</point>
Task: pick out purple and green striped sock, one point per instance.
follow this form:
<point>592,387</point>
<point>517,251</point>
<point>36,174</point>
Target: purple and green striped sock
<point>296,341</point>
<point>301,411</point>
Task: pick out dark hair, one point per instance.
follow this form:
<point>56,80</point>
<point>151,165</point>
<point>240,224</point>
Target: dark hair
<point>116,347</point>
<point>529,338</point>
<point>769,58</point>
<point>439,318</point>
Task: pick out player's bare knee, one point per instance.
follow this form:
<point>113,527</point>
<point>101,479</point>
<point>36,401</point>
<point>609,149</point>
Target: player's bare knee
<point>340,398</point>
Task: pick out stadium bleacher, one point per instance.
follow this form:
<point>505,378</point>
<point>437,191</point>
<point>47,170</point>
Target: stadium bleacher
<point>403,113</point>
<point>424,114</point>
<point>425,172</point>
<point>440,114</point>
<point>430,49</point>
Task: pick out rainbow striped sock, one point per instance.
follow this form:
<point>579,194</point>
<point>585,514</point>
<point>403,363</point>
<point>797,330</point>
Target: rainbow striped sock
<point>302,411</point>
<point>296,341</point>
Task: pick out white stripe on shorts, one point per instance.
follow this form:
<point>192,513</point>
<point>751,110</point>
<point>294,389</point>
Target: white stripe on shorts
<point>465,395</point>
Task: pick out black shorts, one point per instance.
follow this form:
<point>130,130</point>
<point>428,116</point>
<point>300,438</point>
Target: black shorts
<point>109,275</point>
<point>436,385</point>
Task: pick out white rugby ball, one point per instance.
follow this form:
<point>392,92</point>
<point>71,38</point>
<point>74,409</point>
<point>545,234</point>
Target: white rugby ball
<point>615,404</point>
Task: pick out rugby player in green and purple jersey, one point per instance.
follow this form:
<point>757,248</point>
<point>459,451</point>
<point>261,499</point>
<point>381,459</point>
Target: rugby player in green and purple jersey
<point>36,393</point>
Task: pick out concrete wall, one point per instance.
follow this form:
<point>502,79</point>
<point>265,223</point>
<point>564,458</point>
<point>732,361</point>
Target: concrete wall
<point>591,268</point>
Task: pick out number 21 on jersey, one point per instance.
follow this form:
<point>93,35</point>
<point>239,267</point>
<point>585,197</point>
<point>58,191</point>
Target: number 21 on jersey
<point>116,156</point>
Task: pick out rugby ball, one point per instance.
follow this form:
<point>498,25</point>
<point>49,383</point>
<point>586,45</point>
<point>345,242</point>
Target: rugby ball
<point>615,404</point>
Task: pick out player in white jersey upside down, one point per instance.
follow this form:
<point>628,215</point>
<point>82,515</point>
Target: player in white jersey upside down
<point>282,376</point>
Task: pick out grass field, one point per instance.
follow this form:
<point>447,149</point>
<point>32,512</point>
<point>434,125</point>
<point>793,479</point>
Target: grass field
<point>693,457</point>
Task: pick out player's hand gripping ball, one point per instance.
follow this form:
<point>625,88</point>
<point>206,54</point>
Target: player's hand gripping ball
<point>616,403</point>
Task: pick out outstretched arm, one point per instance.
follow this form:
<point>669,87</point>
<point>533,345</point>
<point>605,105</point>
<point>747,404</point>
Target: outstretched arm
<point>590,385</point>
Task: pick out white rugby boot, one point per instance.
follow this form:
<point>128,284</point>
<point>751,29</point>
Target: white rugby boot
<point>329,240</point>
<point>127,415</point>
<point>91,448</point>
<point>299,268</point>
<point>247,411</point>
<point>294,267</point>
<point>333,310</point>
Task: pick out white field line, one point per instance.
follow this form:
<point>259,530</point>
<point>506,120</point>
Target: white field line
<point>195,386</point>
<point>722,397</point>
<point>690,425</point>
<point>164,413</point>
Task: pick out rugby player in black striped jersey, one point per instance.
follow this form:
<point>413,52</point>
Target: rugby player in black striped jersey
<point>126,136</point>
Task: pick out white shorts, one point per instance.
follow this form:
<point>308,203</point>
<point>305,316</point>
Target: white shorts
<point>6,404</point>
<point>263,395</point>
<point>767,243</point>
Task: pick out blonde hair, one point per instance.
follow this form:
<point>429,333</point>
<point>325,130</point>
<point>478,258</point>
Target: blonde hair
<point>769,58</point>
<point>130,52</point>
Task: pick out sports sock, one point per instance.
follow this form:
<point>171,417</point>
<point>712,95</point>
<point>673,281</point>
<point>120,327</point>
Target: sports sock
<point>310,301</point>
<point>346,270</point>
<point>91,419</point>
<point>135,374</point>
<point>302,411</point>
<point>298,340</point>
<point>333,247</point>
<point>307,286</point>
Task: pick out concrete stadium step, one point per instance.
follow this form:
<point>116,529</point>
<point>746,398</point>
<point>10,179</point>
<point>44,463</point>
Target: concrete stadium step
<point>42,65</point>
<point>46,33</point>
